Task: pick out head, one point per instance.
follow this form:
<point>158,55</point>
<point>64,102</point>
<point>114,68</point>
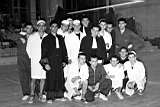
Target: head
<point>132,56</point>
<point>123,52</point>
<point>93,61</point>
<point>122,23</point>
<point>29,28</point>
<point>76,25</point>
<point>109,27</point>
<point>41,25</point>
<point>102,24</point>
<point>114,60</point>
<point>53,27</point>
<point>94,31</point>
<point>81,58</point>
<point>64,25</point>
<point>85,21</point>
<point>70,23</point>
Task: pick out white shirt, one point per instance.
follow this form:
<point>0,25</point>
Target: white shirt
<point>33,47</point>
<point>94,43</point>
<point>73,45</point>
<point>107,38</point>
<point>60,32</point>
<point>135,72</point>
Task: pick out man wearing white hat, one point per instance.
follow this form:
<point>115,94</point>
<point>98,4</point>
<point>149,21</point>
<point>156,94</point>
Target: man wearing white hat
<point>63,30</point>
<point>33,49</point>
<point>136,74</point>
<point>73,41</point>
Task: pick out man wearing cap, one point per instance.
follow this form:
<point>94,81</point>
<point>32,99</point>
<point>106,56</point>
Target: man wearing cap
<point>63,30</point>
<point>54,50</point>
<point>94,45</point>
<point>33,49</point>
<point>136,74</point>
<point>73,41</point>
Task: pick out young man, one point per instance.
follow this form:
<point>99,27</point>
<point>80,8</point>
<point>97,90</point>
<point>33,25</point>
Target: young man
<point>54,50</point>
<point>23,62</point>
<point>34,52</point>
<point>77,78</point>
<point>98,81</point>
<point>125,37</point>
<point>63,30</point>
<point>86,26</point>
<point>106,36</point>
<point>136,74</point>
<point>93,45</point>
<point>123,55</point>
<point>115,71</point>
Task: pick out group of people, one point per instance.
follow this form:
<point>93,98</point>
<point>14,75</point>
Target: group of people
<point>79,60</point>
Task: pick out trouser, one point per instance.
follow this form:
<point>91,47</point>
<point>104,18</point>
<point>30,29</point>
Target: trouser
<point>104,89</point>
<point>125,80</point>
<point>24,75</point>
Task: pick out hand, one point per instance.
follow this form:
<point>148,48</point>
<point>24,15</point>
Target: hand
<point>69,61</point>
<point>47,67</point>
<point>23,40</point>
<point>130,46</point>
<point>96,87</point>
<point>63,64</point>
<point>90,88</point>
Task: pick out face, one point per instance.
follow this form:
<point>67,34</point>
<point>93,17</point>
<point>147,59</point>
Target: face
<point>123,53</point>
<point>77,27</point>
<point>85,22</point>
<point>94,62</point>
<point>41,27</point>
<point>64,27</point>
<point>121,25</point>
<point>82,59</point>
<point>103,25</point>
<point>114,61</point>
<point>109,28</point>
<point>94,31</point>
<point>132,58</point>
<point>54,28</point>
<point>29,29</point>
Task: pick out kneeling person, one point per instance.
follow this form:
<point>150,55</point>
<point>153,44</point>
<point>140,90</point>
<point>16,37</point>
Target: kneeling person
<point>77,78</point>
<point>97,81</point>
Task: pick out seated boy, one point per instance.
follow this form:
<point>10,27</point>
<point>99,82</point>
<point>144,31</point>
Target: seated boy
<point>97,81</point>
<point>115,71</point>
<point>136,74</point>
<point>77,78</point>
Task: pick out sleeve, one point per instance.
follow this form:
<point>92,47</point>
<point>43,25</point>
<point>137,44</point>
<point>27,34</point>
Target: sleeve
<point>44,48</point>
<point>67,43</point>
<point>28,47</point>
<point>64,52</point>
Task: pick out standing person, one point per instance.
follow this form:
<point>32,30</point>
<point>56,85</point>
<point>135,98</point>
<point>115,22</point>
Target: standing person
<point>63,30</point>
<point>136,74</point>
<point>106,35</point>
<point>115,71</point>
<point>94,45</point>
<point>125,37</point>
<point>86,26</point>
<point>98,81</point>
<point>54,50</point>
<point>23,62</point>
<point>34,52</point>
<point>77,78</point>
<point>73,41</point>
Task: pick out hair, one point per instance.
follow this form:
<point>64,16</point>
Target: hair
<point>132,53</point>
<point>54,21</point>
<point>93,56</point>
<point>122,19</point>
<point>81,53</point>
<point>28,24</point>
<point>123,48</point>
<point>114,56</point>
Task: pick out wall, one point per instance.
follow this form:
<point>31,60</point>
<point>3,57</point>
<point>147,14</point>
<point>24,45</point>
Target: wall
<point>146,13</point>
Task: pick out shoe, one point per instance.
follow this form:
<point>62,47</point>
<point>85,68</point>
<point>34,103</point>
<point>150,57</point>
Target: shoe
<point>61,99</point>
<point>30,101</point>
<point>50,101</point>
<point>120,96</point>
<point>42,98</point>
<point>25,97</point>
<point>103,97</point>
<point>140,92</point>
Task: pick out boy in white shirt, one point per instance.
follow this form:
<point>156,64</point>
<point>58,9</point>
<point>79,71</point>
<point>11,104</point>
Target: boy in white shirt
<point>115,70</point>
<point>136,74</point>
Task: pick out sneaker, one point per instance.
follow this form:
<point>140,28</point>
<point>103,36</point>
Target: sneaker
<point>49,101</point>
<point>120,96</point>
<point>140,92</point>
<point>103,97</point>
<point>24,98</point>
<point>42,98</point>
<point>30,101</point>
